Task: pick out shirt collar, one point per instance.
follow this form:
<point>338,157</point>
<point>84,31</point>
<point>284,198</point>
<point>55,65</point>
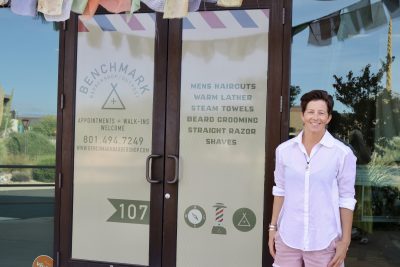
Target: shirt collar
<point>327,140</point>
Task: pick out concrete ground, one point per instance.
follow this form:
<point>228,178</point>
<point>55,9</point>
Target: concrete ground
<point>22,240</point>
<point>26,231</point>
<point>382,250</point>
<point>26,224</point>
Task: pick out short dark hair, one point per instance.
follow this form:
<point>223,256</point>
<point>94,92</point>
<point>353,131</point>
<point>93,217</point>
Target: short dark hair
<point>317,95</point>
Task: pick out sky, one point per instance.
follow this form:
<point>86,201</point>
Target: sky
<point>29,57</point>
<point>29,63</point>
<point>312,67</point>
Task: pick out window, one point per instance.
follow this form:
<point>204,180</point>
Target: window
<point>28,105</point>
<point>352,50</point>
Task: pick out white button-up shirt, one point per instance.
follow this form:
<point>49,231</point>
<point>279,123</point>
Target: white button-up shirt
<point>310,218</point>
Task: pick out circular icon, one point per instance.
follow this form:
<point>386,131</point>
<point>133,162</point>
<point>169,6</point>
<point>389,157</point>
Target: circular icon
<point>43,260</point>
<point>244,219</point>
<point>195,216</point>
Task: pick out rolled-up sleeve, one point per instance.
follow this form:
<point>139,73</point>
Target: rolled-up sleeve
<point>279,188</point>
<point>346,182</point>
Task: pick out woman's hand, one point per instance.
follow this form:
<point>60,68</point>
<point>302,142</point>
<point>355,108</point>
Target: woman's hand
<point>340,255</point>
<point>271,242</point>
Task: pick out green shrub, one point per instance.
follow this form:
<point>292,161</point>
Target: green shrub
<point>30,144</point>
<point>46,126</point>
<point>44,175</point>
<point>3,152</point>
<point>20,176</point>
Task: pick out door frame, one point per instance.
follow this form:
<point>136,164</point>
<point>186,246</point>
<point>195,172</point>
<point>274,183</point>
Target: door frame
<point>277,118</point>
<point>165,143</point>
<point>65,151</point>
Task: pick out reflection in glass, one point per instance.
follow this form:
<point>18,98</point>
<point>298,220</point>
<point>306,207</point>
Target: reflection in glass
<point>352,51</point>
<point>28,101</point>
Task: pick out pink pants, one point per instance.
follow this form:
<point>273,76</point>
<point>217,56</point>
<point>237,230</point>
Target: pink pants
<point>289,257</point>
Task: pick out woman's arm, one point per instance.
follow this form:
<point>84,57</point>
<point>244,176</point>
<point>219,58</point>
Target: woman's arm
<point>347,202</point>
<point>346,218</point>
<point>276,209</point>
<point>279,192</point>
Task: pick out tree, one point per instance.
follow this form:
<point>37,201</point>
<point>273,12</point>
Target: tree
<point>44,175</point>
<point>30,144</point>
<point>6,112</point>
<point>294,92</point>
<point>46,126</point>
<point>361,94</point>
<point>388,115</point>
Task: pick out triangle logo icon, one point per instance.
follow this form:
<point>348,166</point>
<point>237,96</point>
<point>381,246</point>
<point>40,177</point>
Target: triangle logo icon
<point>244,221</point>
<point>113,100</point>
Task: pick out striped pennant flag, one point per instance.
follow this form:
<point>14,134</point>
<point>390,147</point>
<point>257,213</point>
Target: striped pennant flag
<point>116,6</point>
<point>65,12</point>
<point>156,5</point>
<point>176,9</point>
<point>24,7</point>
<point>91,7</point>
<point>230,3</point>
<point>50,7</point>
<point>79,6</point>
<point>135,5</point>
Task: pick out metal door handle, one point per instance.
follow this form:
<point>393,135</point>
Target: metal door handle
<point>148,163</point>
<point>176,177</point>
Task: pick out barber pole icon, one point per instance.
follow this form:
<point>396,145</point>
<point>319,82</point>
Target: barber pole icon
<point>218,227</point>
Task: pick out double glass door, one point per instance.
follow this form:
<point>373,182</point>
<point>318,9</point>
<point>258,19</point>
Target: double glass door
<point>165,139</point>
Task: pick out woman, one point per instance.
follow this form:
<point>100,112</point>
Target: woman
<point>314,193</point>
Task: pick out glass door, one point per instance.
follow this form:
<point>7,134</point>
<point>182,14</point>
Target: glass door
<point>113,186</point>
<point>222,138</point>
<point>172,123</point>
<point>113,130</point>
<point>223,123</point>
<point>28,138</point>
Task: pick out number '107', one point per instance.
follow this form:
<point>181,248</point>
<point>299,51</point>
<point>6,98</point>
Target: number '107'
<point>132,212</point>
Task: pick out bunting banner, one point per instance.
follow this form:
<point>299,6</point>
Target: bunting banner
<point>24,7</point>
<point>361,16</point>
<point>116,6</point>
<point>91,7</point>
<point>230,3</point>
<point>322,30</point>
<point>135,5</point>
<point>194,5</point>
<point>353,19</point>
<point>393,6</point>
<point>299,28</point>
<point>78,6</point>
<point>350,24</point>
<point>176,9</point>
<point>65,12</point>
<point>364,15</point>
<point>50,7</point>
<point>378,16</point>
<point>156,5</point>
